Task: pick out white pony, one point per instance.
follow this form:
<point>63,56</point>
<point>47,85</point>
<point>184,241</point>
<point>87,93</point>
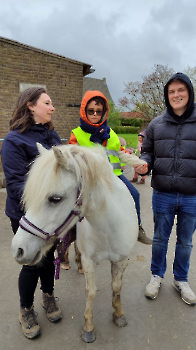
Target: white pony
<point>71,183</point>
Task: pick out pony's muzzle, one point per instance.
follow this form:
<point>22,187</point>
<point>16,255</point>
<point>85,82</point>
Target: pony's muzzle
<point>23,252</point>
<point>20,254</point>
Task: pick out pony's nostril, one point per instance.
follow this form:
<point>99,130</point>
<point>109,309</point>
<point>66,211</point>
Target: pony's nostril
<point>20,253</point>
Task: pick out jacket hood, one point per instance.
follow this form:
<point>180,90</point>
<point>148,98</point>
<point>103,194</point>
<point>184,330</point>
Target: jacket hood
<point>186,80</point>
<point>142,133</point>
<point>88,96</point>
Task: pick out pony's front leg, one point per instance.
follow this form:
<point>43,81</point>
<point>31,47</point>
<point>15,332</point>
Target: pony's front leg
<point>88,331</point>
<point>117,270</point>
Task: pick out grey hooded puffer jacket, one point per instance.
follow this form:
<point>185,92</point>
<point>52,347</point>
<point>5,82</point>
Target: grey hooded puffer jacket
<point>169,148</point>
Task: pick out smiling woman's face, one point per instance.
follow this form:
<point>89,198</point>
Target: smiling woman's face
<point>42,110</point>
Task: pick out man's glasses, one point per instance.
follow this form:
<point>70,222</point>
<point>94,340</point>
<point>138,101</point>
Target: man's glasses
<point>91,112</point>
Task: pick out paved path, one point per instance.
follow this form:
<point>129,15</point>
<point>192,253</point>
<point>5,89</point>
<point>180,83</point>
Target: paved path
<point>163,324</point>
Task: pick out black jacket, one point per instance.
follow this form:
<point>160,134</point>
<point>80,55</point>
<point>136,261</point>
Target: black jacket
<point>17,153</point>
<point>169,149</point>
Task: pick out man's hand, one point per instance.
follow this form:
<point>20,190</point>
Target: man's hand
<point>141,169</point>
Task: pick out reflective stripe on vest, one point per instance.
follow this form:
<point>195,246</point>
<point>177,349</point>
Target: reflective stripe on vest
<point>110,152</point>
<point>116,165</point>
<point>112,147</point>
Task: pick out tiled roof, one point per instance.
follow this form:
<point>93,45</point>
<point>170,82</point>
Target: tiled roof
<point>96,84</point>
<point>132,114</point>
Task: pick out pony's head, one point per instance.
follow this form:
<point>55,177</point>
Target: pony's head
<point>55,181</point>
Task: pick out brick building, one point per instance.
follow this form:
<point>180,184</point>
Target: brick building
<point>22,66</point>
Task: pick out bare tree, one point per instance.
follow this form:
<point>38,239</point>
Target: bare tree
<point>191,72</point>
<point>147,96</point>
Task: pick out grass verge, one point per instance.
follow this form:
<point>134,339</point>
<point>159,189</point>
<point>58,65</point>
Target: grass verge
<point>131,140</point>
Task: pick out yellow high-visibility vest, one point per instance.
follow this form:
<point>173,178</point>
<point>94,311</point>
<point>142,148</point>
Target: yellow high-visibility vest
<point>112,147</point>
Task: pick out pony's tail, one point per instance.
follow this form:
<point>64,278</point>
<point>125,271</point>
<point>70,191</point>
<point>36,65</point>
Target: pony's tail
<point>130,159</point>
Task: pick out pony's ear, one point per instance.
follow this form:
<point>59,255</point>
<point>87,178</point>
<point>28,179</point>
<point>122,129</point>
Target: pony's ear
<point>41,149</point>
<point>61,160</point>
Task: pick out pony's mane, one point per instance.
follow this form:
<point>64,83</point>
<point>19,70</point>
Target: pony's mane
<point>88,165</point>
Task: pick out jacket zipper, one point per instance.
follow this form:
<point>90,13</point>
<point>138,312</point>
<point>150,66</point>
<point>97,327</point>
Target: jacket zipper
<point>176,157</point>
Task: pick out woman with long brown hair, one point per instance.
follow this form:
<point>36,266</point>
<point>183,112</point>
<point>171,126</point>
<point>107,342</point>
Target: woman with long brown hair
<point>31,123</point>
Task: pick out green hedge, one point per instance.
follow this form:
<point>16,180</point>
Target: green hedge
<point>131,122</point>
<point>126,129</point>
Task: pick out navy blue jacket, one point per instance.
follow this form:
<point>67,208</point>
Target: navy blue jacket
<point>17,153</point>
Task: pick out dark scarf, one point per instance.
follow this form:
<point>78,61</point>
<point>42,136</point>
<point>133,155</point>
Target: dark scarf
<point>98,135</point>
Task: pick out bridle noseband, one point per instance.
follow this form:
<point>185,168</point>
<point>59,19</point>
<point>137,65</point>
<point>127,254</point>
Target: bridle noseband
<point>28,226</point>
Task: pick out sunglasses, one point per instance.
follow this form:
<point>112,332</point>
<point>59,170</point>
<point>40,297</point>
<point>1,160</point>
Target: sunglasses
<point>91,112</point>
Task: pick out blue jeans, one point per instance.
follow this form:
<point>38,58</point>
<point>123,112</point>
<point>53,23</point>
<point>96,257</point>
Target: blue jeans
<point>135,194</point>
<point>165,207</point>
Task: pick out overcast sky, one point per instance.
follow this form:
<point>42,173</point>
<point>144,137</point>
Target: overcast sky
<point>121,39</point>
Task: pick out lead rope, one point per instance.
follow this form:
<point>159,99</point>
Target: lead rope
<point>57,261</point>
<point>66,240</point>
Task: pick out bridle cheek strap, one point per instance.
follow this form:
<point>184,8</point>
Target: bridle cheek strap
<point>27,225</point>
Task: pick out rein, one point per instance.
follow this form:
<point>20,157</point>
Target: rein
<point>28,226</point>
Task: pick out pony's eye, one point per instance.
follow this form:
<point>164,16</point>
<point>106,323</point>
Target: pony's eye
<point>55,199</point>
